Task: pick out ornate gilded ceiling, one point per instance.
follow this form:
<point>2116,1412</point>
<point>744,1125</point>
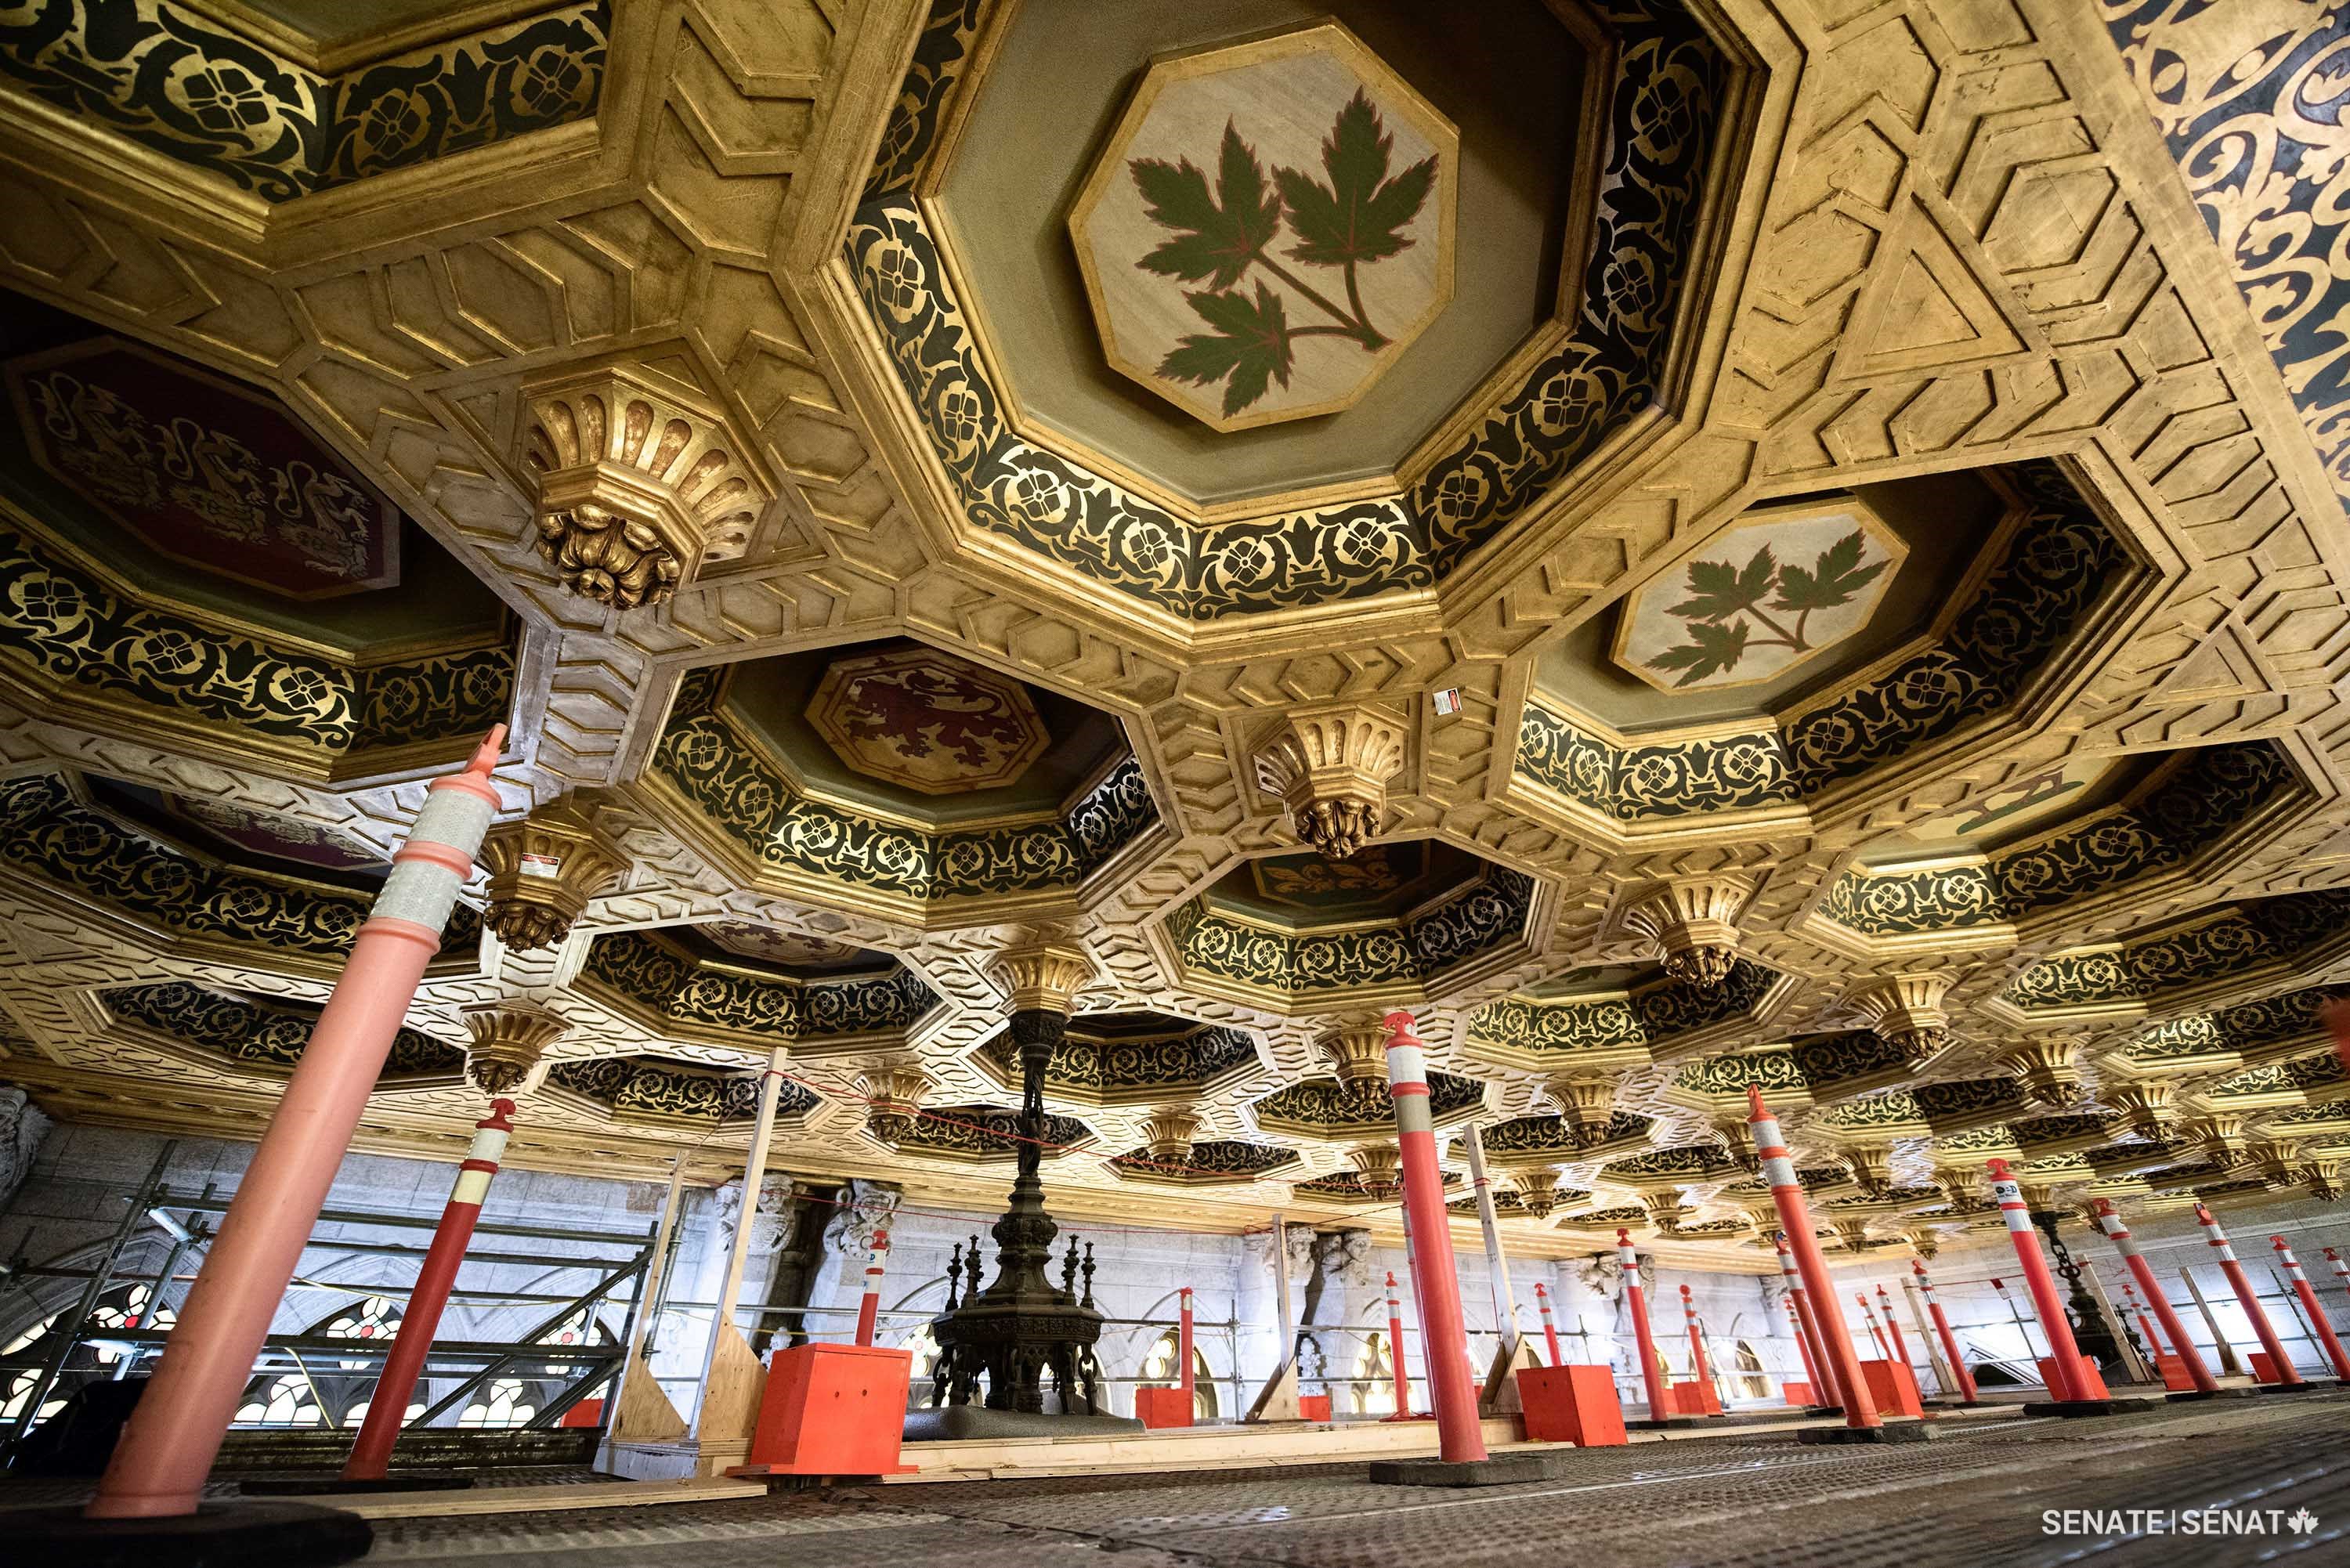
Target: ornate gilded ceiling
<point>1830,579</point>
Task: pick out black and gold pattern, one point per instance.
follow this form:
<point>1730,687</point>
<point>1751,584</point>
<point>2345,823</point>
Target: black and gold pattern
<point>676,987</point>
<point>2262,931</point>
<point>1467,924</point>
<point>1816,1066</point>
<point>654,1088</point>
<point>2219,788</point>
<point>266,1033</point>
<point>1694,1162</point>
<point>717,770</point>
<point>1525,1136</point>
<point>66,625</point>
<point>46,830</point>
<point>2058,563</point>
<point>1663,111</point>
<point>985,1133</point>
<point>1334,1105</point>
<point>2245,115</point>
<point>1347,1186</point>
<point>168,80</point>
<point>1180,1060</point>
<point>1210,1161</point>
<point>1652,1014</point>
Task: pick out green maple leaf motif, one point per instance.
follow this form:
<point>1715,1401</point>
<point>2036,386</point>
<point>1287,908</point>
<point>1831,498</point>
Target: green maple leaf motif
<point>1833,580</point>
<point>1251,345</point>
<point>1713,649</point>
<point>1358,216</point>
<point>1218,235</point>
<point>1719,590</point>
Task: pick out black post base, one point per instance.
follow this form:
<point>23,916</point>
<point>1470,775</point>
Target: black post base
<point>1502,1469</point>
<point>1652,1423</point>
<point>217,1535</point>
<point>316,1483</point>
<point>2073,1408</point>
<point>2306,1386</point>
<point>1822,1409</point>
<point>2188,1396</point>
<point>1890,1432</point>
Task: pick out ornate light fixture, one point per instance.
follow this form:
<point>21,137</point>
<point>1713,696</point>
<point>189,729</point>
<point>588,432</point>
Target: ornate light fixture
<point>1871,1166</point>
<point>1167,1134</point>
<point>2148,1106</point>
<point>1737,1142</point>
<point>640,484</point>
<point>1537,1191</point>
<point>1691,924</point>
<point>2222,1137</point>
<point>542,871</point>
<point>1331,770</point>
<point>1585,1101</point>
<point>1853,1233</point>
<point>508,1042</point>
<point>1905,1010</point>
<point>1379,1166</point>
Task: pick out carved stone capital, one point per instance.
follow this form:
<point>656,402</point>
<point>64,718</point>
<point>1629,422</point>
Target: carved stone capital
<point>2275,1160</point>
<point>1046,979</point>
<point>1691,924</point>
<point>1922,1242</point>
<point>640,483</point>
<point>1870,1165</point>
<point>2221,1136</point>
<point>1585,1101</point>
<point>1537,1191</point>
<point>1331,771</point>
<point>1737,1142</point>
<point>2147,1105</point>
<point>2047,1069</point>
<point>892,1096</point>
<point>1358,1054</point>
<point>508,1042</point>
<point>1852,1234</point>
<point>1379,1167</point>
<point>2321,1177</point>
<point>1167,1134</point>
<point>543,870</point>
<point>1963,1185</point>
<point>1905,1010</point>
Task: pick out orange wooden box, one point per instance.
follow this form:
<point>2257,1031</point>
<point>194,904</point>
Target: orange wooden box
<point>1163,1406</point>
<point>1570,1405</point>
<point>2093,1383</point>
<point>1696,1399</point>
<point>1314,1406</point>
<point>2175,1374</point>
<point>1797,1394</point>
<point>1894,1387</point>
<point>831,1410</point>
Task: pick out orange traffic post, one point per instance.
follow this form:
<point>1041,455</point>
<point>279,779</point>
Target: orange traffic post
<point>168,1446</point>
<point>1550,1329</point>
<point>868,1308</point>
<point>2072,1385</point>
<point>2109,1220</point>
<point>1862,1423</point>
<point>1876,1335</point>
<point>1803,1349</point>
<point>1900,1345</point>
<point>1183,1341</point>
<point>1700,1373</point>
<point>2137,1309</point>
<point>2318,1326</point>
<point>387,1410</point>
<point>2341,1269</point>
<point>1636,1303</point>
<point>1966,1395</point>
<point>1807,1329</point>
<point>2239,1282</point>
<point>1395,1347</point>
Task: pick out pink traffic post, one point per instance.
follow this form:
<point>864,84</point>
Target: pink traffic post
<point>2063,1354</point>
<point>1395,1347</point>
<point>1796,1221</point>
<point>1636,1303</point>
<point>1807,1328</point>
<point>2109,1220</point>
<point>1892,1327</point>
<point>1189,1384</point>
<point>1444,1331</point>
<point>2317,1323</point>
<point>167,1448</point>
<point>1550,1329</point>
<point>2243,1285</point>
<point>1698,1372</point>
<point>1942,1331</point>
<point>868,1309</point>
<point>370,1456</point>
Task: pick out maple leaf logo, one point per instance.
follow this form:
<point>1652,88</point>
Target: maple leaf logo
<point>2302,1521</point>
<point>1354,219</point>
<point>1727,604</point>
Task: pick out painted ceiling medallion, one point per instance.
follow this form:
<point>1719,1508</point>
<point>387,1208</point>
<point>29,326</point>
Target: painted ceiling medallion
<point>927,721</point>
<point>280,837</point>
<point>1776,590</point>
<point>1269,227</point>
<point>791,948</point>
<point>203,472</point>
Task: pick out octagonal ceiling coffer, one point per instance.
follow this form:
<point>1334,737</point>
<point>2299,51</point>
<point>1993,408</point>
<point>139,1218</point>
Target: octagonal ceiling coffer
<point>927,721</point>
<point>1269,227</point>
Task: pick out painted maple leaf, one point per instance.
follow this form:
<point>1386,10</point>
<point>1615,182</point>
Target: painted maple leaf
<point>1360,214</point>
<point>1250,345</point>
<point>1726,605</point>
<point>1217,236</point>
